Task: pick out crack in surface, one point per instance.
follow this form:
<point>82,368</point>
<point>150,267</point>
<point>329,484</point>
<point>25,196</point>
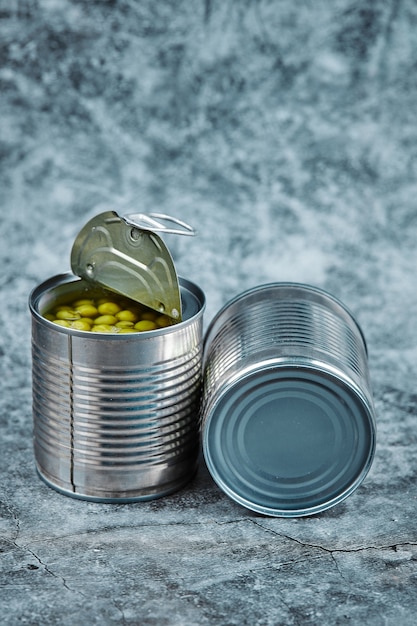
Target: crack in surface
<point>205,523</point>
<point>333,551</point>
<point>45,566</point>
<point>49,571</point>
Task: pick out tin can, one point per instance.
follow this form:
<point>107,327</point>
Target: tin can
<point>288,418</point>
<point>116,416</point>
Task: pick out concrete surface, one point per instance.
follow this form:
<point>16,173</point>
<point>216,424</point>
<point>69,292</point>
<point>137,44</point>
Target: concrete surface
<point>285,132</point>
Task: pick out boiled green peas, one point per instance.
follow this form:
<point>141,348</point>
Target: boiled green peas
<point>112,314</point>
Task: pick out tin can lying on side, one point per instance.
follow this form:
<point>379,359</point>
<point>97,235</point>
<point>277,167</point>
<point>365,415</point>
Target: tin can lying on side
<point>116,416</point>
<point>288,416</point>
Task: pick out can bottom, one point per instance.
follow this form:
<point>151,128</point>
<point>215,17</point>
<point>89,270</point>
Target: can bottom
<point>142,495</point>
<point>288,441</point>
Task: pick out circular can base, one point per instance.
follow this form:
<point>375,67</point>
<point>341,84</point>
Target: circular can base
<point>289,441</point>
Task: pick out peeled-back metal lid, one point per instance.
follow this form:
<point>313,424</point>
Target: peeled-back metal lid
<point>126,255</point>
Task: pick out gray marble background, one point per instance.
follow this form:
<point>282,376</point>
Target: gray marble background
<point>285,132</point>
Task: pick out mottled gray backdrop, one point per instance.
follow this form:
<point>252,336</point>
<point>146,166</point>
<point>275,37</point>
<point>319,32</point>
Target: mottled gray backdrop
<point>285,133</point>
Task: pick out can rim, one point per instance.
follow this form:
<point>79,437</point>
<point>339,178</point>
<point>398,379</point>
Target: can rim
<point>68,278</point>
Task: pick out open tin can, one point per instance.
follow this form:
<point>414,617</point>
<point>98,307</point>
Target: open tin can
<point>286,410</point>
<point>116,416</point>
<point>288,419</point>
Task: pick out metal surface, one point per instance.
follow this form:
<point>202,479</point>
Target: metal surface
<point>127,256</point>
<point>116,417</point>
<point>288,416</point>
<point>160,223</point>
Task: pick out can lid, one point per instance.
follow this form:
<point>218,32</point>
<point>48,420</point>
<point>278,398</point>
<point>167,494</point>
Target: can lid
<point>289,441</point>
<point>126,255</point>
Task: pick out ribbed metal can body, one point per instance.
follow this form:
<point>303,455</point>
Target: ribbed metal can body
<point>116,416</point>
<point>288,419</point>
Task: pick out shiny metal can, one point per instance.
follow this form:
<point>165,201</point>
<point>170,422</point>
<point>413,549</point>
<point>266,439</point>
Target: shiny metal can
<point>116,416</point>
<point>288,420</point>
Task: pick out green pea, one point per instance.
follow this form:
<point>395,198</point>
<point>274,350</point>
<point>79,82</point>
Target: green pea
<point>163,320</point>
<point>67,314</point>
<point>145,325</point>
<point>106,319</point>
<point>127,316</point>
<point>81,325</point>
<point>64,323</point>
<point>87,310</point>
<point>102,328</point>
<point>124,324</point>
<point>87,320</point>
<point>109,308</point>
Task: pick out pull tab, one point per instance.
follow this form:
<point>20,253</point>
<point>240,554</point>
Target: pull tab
<point>155,223</point>
<point>128,257</point>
